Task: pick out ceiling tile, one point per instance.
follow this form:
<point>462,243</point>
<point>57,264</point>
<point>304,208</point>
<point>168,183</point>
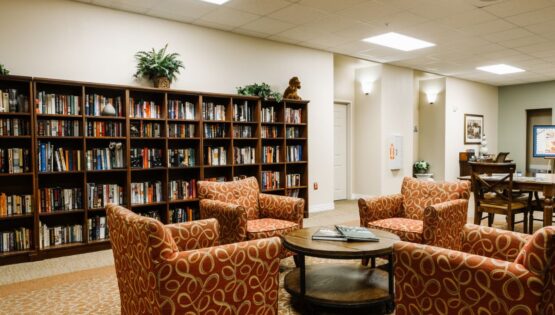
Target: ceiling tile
<point>369,11</point>
<point>515,7</point>
<point>296,13</point>
<point>330,6</point>
<point>487,28</point>
<point>259,7</point>
<point>229,17</point>
<point>251,33</point>
<point>438,9</point>
<point>267,26</point>
<point>520,42</point>
<point>471,17</point>
<point>192,9</point>
<point>534,17</point>
<point>513,33</point>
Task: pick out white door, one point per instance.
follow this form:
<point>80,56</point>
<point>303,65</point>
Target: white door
<point>340,151</point>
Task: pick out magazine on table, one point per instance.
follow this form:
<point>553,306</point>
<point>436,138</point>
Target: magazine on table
<point>345,233</point>
<point>328,234</point>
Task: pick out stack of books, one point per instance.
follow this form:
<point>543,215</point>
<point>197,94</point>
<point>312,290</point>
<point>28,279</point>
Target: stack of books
<point>345,233</point>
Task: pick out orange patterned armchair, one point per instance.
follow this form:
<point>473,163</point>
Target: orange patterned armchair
<point>173,269</point>
<point>432,213</point>
<point>246,214</point>
<point>497,272</point>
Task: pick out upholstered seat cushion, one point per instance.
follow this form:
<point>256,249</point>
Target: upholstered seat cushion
<point>267,227</point>
<point>407,229</point>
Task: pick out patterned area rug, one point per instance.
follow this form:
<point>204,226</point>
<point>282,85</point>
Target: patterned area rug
<point>95,291</point>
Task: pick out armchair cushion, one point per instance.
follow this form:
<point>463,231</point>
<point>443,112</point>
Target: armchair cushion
<point>267,227</point>
<point>282,207</point>
<point>377,208</point>
<point>242,192</point>
<point>231,218</point>
<point>407,229</point>
<point>419,194</point>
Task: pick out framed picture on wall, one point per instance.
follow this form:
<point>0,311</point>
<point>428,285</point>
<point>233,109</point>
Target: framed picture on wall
<point>473,128</point>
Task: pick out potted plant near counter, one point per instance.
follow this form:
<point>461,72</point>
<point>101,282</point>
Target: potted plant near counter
<point>158,66</point>
<point>421,169</point>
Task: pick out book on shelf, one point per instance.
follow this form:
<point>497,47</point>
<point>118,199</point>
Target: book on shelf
<point>144,109</point>
<point>101,159</point>
<point>268,114</point>
<point>15,204</point>
<point>293,116</point>
<point>59,235</point>
<point>58,127</point>
<point>186,214</point>
<point>57,199</point>
<point>146,192</point>
<point>293,193</point>
<point>293,132</point>
<point>269,132</point>
<point>215,131</point>
<point>182,189</point>
<point>238,177</point>
<point>15,240</point>
<point>270,180</point>
<point>95,103</point>
<point>294,153</point>
<point>146,157</point>
<point>58,104</point>
<point>97,228</point>
<point>180,130</point>
<point>211,111</point>
<point>13,101</point>
<point>181,157</point>
<point>215,179</point>
<point>146,129</point>
<point>99,195</point>
<point>242,131</point>
<point>15,160</point>
<point>178,109</point>
<point>345,233</point>
<point>293,180</point>
<point>242,112</point>
<point>244,155</point>
<point>154,214</point>
<point>57,159</point>
<point>270,154</point>
<point>14,127</point>
<point>216,156</point>
<point>104,128</point>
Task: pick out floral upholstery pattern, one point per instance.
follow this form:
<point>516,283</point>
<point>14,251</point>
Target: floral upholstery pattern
<point>218,200</point>
<point>434,280</point>
<point>432,213</point>
<point>155,277</point>
<point>407,229</point>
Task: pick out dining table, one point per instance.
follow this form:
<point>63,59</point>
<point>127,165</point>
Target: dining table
<point>541,182</point>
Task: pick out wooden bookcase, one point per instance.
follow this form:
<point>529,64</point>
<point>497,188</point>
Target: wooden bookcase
<point>147,158</point>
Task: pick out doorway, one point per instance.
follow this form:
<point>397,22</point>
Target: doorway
<point>535,117</point>
<point>341,149</point>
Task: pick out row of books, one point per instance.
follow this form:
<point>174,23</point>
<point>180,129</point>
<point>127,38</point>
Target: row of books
<point>14,127</point>
<point>59,128</point>
<point>99,195</point>
<point>15,204</point>
<point>181,130</point>
<point>144,109</point>
<point>50,103</point>
<point>293,193</point>
<point>146,157</point>
<point>268,114</point>
<point>58,235</point>
<point>152,214</point>
<point>181,110</point>
<point>269,132</point>
<point>146,192</point>
<point>293,180</point>
<point>101,159</point>
<point>293,132</point>
<point>13,101</point>
<point>270,154</point>
<point>53,159</point>
<point>293,116</point>
<point>105,129</point>
<point>242,131</point>
<point>98,229</point>
<point>15,160</point>
<point>214,131</point>
<point>270,180</point>
<point>146,129</point>
<point>60,199</point>
<point>187,214</point>
<point>211,111</point>
<point>216,156</point>
<point>181,157</point>
<point>244,155</point>
<point>95,103</point>
<point>15,240</point>
<point>182,189</point>
<point>242,112</point>
<point>294,153</point>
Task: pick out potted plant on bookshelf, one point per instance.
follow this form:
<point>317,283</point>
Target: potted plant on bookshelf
<point>3,70</point>
<point>262,90</point>
<point>160,67</point>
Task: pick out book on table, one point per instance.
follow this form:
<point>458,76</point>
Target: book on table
<point>345,233</point>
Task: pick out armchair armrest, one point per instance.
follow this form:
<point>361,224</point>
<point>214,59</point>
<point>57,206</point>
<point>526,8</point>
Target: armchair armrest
<point>195,234</point>
<point>433,280</point>
<point>231,218</point>
<point>492,242</point>
<point>238,278</point>
<point>377,208</point>
<point>282,207</point>
<point>443,224</point>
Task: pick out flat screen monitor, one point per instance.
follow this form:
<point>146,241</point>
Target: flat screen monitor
<point>544,141</point>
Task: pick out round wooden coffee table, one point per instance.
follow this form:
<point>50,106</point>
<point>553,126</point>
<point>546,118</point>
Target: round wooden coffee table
<point>341,285</point>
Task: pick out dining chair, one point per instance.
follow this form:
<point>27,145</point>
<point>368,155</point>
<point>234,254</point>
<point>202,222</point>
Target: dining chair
<point>501,157</point>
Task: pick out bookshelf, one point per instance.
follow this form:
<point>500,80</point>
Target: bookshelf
<point>72,160</point>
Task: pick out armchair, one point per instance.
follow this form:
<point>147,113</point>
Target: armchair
<point>178,269</point>
<point>424,212</point>
<point>246,214</point>
<point>497,272</point>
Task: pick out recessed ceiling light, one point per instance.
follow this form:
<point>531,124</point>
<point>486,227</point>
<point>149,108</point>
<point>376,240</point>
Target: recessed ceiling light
<point>398,41</point>
<point>501,69</point>
<point>219,2</point>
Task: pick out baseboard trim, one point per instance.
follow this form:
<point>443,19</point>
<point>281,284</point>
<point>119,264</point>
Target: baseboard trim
<point>321,207</point>
<point>357,196</point>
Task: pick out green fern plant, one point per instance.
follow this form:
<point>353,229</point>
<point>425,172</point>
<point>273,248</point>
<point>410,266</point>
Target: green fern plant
<point>3,70</point>
<point>153,64</point>
<point>262,90</point>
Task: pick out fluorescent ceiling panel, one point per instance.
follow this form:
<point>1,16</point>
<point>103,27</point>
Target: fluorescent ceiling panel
<point>500,69</point>
<point>398,41</point>
<point>218,2</point>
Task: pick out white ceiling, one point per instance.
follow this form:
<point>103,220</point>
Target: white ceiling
<point>467,33</point>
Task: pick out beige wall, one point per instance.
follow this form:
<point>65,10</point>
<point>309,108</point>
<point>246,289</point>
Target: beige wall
<point>75,41</point>
<point>466,97</point>
<point>514,100</point>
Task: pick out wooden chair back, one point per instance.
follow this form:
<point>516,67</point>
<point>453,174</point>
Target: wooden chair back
<point>501,157</point>
<point>499,184</point>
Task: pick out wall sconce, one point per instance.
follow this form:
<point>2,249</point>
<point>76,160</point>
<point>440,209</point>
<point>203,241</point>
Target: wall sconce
<point>366,87</point>
<point>432,97</point>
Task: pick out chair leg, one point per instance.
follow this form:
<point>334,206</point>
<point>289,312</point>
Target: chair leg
<point>511,221</point>
<point>297,261</point>
<point>531,222</point>
<point>525,223</point>
<point>477,217</point>
<point>364,261</point>
<point>491,216</point>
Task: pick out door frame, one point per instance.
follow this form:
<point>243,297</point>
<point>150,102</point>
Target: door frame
<point>349,156</point>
